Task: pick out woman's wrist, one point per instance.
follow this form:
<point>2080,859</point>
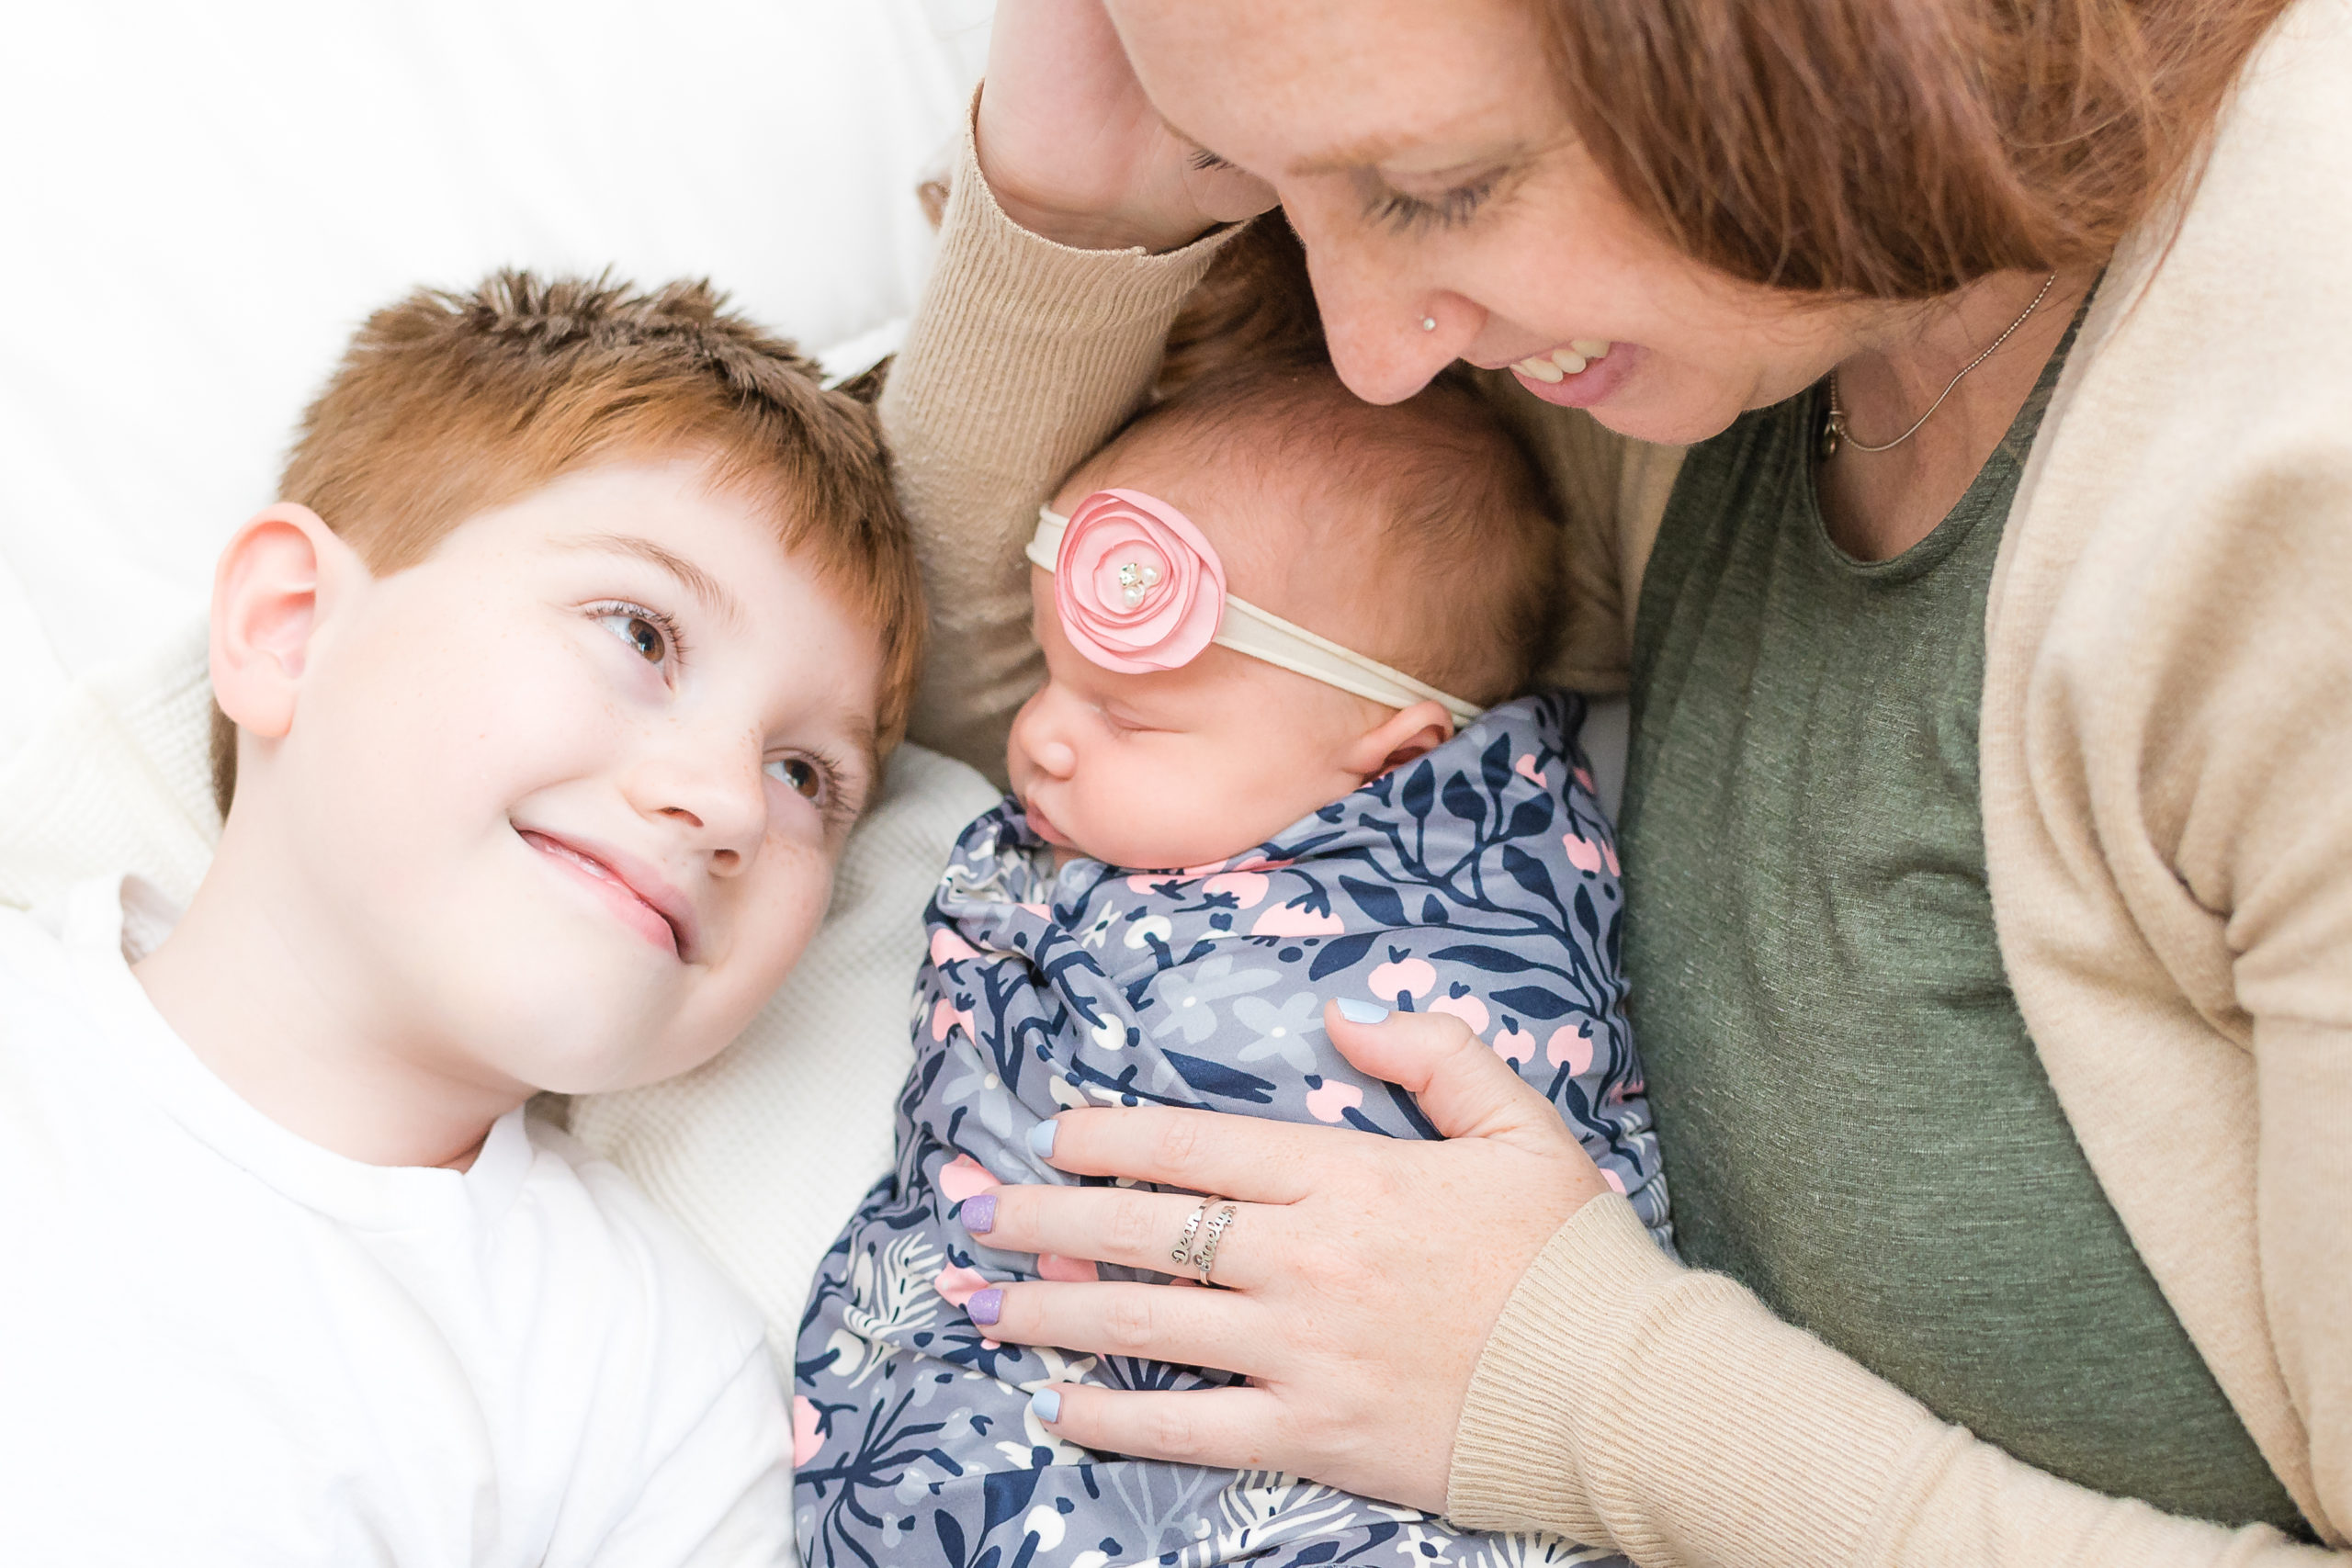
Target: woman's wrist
<point>1081,229</point>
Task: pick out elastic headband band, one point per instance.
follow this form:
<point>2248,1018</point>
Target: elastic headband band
<point>1139,587</point>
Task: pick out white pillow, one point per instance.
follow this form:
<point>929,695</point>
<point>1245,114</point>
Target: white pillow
<point>202,201</point>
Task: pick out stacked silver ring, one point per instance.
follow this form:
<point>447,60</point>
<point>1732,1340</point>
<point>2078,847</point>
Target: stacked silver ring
<point>1205,1259</point>
<point>1201,1258</point>
<point>1181,1253</point>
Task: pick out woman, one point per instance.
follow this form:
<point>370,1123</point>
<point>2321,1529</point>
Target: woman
<point>1989,869</point>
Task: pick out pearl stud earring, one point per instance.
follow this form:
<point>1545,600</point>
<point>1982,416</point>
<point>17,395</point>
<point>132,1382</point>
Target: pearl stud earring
<point>1429,323</point>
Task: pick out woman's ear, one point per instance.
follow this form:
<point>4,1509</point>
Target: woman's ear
<point>276,581</point>
<point>1400,738</point>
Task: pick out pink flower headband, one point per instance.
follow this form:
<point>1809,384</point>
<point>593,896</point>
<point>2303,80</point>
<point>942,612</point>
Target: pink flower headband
<point>1139,588</point>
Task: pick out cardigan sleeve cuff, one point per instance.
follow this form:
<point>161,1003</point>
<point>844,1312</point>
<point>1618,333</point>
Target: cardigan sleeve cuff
<point>1624,1400</point>
<point>1024,277</point>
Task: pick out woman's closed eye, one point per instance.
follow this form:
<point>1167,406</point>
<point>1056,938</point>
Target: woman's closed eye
<point>1448,208</point>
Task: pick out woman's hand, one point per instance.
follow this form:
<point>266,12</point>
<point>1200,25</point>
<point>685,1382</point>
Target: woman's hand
<point>1363,1272</point>
<point>1076,153</point>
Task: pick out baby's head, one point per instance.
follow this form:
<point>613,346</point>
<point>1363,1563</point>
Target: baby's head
<point>552,686</point>
<point>1414,534</point>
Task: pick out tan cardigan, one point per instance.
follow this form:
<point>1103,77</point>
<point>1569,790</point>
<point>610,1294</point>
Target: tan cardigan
<point>2167,792</point>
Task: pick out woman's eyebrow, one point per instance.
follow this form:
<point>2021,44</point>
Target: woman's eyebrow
<point>1371,152</point>
<point>1362,153</point>
<point>705,588</point>
<point>1359,154</point>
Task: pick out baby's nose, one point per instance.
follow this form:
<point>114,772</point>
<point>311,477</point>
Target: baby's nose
<point>1055,757</point>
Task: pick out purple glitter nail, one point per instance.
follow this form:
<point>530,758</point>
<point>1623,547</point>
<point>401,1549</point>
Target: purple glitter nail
<point>986,1306</point>
<point>979,1213</point>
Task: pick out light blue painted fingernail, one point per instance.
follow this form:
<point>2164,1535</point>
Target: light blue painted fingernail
<point>1041,1139</point>
<point>1046,1405</point>
<point>1359,1012</point>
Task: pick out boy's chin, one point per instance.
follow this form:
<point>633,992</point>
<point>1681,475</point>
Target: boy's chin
<point>605,1056</point>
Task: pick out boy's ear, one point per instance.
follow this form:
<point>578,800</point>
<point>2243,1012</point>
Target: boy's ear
<point>277,579</point>
<point>1397,740</point>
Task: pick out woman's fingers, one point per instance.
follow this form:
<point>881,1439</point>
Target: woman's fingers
<point>1229,1428</point>
<point>1199,1328</point>
<point>1128,1226</point>
<point>1466,1089</point>
<point>1202,1151</point>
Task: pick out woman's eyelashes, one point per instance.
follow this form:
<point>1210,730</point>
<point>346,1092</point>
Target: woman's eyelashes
<point>652,636</point>
<point>1205,161</point>
<point>1447,209</point>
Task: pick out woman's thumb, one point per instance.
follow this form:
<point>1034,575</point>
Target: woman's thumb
<point>1464,1089</point>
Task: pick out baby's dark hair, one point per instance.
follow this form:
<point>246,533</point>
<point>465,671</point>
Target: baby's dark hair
<point>1433,502</point>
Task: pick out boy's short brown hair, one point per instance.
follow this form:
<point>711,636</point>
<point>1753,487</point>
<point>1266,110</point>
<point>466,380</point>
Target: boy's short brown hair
<point>448,405</point>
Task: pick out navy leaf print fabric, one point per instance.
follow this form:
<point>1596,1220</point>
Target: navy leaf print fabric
<point>1480,880</point>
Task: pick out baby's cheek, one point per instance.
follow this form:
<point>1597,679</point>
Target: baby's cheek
<point>1198,804</point>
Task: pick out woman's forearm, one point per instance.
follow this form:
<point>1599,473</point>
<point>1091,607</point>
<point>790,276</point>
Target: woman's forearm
<point>1624,1399</point>
<point>1025,356</point>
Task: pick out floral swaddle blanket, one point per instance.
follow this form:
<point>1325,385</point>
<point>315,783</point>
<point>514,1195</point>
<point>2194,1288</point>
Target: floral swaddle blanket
<point>1479,880</point>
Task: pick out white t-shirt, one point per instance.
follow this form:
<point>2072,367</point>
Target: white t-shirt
<point>221,1344</point>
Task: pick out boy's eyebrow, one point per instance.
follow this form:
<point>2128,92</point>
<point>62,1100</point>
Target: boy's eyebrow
<point>696,582</point>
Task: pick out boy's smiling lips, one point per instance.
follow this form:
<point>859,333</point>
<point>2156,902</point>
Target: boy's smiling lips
<point>631,888</point>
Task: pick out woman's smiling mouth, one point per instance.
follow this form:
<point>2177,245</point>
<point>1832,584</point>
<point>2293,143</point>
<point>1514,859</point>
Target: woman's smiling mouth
<point>1581,373</point>
<point>635,892</point>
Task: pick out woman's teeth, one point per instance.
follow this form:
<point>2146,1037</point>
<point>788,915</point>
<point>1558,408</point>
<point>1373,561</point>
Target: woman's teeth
<point>1562,363</point>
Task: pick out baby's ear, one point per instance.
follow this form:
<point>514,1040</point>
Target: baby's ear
<point>277,579</point>
<point>1397,740</point>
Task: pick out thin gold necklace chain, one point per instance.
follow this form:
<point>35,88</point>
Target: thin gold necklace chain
<point>1834,432</point>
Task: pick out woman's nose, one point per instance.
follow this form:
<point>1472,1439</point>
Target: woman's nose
<point>1387,334</point>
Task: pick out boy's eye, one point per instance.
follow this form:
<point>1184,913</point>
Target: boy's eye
<point>651,643</point>
<point>800,775</point>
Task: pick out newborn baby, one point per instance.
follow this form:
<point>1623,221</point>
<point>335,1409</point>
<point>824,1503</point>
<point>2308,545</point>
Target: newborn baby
<point>1262,774</point>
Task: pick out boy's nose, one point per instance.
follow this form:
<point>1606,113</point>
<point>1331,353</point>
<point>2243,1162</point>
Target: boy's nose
<point>713,790</point>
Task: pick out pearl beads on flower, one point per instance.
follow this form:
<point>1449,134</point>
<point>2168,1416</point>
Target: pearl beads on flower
<point>1135,580</point>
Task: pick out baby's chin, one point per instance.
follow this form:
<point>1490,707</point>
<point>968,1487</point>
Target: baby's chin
<point>1149,860</point>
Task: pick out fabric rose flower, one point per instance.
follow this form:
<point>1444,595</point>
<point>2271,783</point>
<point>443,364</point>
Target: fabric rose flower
<point>1138,587</point>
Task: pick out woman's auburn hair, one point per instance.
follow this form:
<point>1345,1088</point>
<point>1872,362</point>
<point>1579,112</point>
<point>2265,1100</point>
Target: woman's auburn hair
<point>1898,149</point>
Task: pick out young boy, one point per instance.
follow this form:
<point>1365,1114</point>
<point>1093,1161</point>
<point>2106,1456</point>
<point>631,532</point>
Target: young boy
<point>556,683</point>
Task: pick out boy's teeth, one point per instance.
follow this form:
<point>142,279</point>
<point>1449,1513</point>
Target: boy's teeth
<point>1543,369</point>
<point>1569,361</point>
<point>1590,347</point>
<point>594,868</point>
